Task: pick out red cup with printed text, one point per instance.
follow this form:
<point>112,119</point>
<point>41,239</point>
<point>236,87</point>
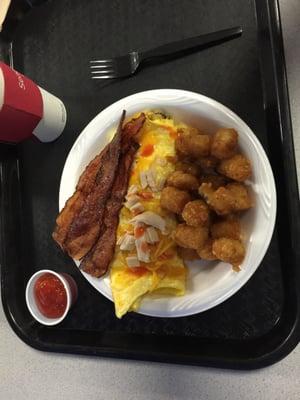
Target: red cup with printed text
<point>26,110</point>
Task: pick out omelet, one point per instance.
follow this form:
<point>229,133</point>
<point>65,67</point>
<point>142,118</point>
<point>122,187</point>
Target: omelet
<point>146,259</point>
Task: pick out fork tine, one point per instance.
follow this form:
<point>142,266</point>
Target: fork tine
<point>103,71</point>
<point>101,66</point>
<point>108,61</point>
<point>104,76</point>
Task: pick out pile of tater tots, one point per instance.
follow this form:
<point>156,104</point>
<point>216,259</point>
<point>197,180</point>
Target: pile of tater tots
<point>208,194</point>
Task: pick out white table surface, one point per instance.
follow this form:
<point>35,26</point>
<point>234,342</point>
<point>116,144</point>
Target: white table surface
<point>28,374</point>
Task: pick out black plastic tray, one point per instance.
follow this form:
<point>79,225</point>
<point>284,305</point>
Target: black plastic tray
<point>53,44</point>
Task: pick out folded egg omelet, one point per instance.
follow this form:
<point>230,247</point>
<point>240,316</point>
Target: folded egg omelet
<point>146,259</point>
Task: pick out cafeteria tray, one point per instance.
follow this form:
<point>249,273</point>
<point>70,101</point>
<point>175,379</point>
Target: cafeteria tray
<point>53,44</point>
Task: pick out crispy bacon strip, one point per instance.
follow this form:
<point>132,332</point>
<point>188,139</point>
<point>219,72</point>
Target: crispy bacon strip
<point>131,129</point>
<point>85,228</point>
<point>78,224</point>
<point>97,261</point>
<point>76,201</point>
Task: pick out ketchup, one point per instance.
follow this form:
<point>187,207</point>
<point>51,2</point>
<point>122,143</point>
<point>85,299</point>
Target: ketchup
<point>147,150</point>
<point>139,232</point>
<point>146,195</point>
<point>50,296</point>
<point>138,271</point>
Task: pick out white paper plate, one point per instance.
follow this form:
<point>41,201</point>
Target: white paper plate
<point>208,283</point>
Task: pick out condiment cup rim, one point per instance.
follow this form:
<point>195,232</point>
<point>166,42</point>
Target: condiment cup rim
<point>31,303</point>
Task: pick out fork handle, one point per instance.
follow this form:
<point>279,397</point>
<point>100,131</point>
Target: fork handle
<point>175,49</point>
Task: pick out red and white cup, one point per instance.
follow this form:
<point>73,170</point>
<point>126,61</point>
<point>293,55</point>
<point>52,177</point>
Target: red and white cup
<point>26,110</point>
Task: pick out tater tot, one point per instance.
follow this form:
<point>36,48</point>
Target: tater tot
<point>173,199</point>
<point>188,131</point>
<point>187,254</point>
<point>191,237</point>
<point>241,196</point>
<point>220,200</point>
<point>207,163</point>
<point>206,190</point>
<point>205,252</point>
<point>224,143</point>
<point>199,146</point>
<point>230,228</point>
<point>215,180</point>
<point>196,213</point>
<point>229,250</point>
<point>181,147</point>
<point>192,145</point>
<point>232,198</point>
<point>182,140</point>
<point>183,181</point>
<point>189,168</point>
<point>237,168</point>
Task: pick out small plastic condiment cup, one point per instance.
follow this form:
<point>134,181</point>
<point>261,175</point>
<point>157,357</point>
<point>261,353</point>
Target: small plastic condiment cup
<point>70,287</point>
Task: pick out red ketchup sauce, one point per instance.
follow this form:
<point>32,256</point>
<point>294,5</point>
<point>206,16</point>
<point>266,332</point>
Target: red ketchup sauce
<point>50,296</point>
<point>138,271</point>
<point>147,150</point>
